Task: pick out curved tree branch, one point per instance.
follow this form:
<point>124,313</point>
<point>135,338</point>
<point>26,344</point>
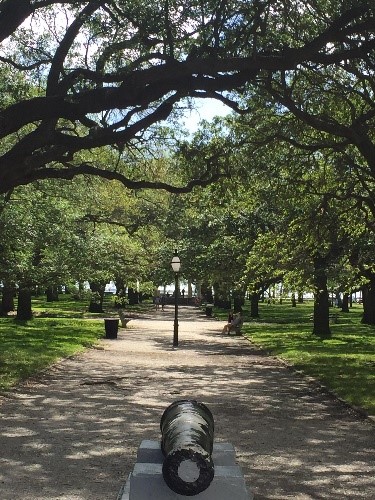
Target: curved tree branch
<point>14,12</point>
<point>57,64</point>
<point>71,171</point>
<point>141,87</point>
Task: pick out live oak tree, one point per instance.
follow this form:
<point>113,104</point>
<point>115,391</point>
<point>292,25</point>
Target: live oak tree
<point>325,110</point>
<point>127,230</point>
<point>335,107</point>
<point>305,220</point>
<point>294,226</point>
<point>216,226</point>
<point>53,234</point>
<point>37,239</point>
<point>361,258</point>
<point>103,73</point>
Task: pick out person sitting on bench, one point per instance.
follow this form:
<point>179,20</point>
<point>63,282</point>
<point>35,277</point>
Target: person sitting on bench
<point>234,324</point>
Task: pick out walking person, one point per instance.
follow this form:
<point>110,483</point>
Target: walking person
<point>157,299</point>
<point>163,301</point>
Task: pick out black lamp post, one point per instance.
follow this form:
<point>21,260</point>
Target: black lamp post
<point>176,264</point>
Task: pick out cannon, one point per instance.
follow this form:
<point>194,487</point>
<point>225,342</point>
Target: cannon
<point>187,429</point>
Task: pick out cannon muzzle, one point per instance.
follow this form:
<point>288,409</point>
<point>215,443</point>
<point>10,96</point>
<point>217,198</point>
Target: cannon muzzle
<point>187,429</point>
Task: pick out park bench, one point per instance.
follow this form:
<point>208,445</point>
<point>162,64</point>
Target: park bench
<point>333,317</point>
<point>236,328</point>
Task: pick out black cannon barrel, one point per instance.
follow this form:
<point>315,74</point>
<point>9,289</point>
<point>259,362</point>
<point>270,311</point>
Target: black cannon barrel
<point>187,429</point>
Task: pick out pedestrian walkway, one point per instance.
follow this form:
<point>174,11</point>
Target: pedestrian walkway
<point>73,433</point>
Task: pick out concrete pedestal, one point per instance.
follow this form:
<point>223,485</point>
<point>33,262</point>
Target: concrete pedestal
<point>146,481</point>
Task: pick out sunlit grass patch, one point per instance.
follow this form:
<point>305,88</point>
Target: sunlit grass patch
<point>28,347</point>
<point>344,362</point>
<point>65,307</point>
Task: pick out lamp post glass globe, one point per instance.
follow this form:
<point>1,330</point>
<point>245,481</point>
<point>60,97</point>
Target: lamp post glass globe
<point>176,263</point>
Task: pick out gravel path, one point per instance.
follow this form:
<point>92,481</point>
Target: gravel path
<point>73,433</point>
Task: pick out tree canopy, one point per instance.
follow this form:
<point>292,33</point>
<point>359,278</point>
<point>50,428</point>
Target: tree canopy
<point>78,76</point>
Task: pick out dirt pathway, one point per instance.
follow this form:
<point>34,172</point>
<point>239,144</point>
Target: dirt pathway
<point>73,434</point>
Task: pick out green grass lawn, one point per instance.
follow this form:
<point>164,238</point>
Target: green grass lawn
<point>58,330</point>
<point>344,362</point>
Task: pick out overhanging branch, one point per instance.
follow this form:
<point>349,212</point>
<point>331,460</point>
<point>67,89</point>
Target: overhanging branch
<point>71,171</point>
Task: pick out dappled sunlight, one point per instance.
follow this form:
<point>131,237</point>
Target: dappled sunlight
<point>341,361</point>
<point>86,416</point>
<point>17,432</point>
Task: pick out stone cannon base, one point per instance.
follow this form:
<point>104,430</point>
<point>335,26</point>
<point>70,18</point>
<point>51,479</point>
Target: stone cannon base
<point>146,481</point>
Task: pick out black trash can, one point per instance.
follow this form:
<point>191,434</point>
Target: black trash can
<point>111,328</point>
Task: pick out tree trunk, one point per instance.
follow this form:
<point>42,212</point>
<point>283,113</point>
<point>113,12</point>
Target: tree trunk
<point>7,299</point>
<point>254,305</point>
<point>300,298</point>
<point>345,303</point>
<point>133,296</point>
<point>120,298</point>
<point>221,298</point>
<point>24,312</point>
<point>120,286</point>
<point>368,297</point>
<point>52,293</point>
<point>96,303</point>
<point>207,293</point>
<point>321,303</point>
<point>238,301</point>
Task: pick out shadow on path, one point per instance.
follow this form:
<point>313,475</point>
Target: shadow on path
<point>73,433</point>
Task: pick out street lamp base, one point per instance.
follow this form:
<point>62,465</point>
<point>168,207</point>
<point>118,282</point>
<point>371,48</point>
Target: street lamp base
<point>175,335</point>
